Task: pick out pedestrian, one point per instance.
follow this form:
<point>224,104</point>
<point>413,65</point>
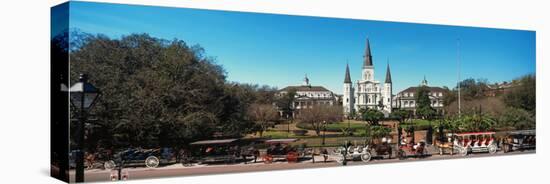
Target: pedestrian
<point>324,152</point>
<point>256,154</point>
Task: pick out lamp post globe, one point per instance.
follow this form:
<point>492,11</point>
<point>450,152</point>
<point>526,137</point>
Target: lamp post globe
<point>83,94</point>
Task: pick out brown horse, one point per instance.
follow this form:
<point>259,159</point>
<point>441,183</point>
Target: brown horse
<point>89,160</point>
<point>383,149</point>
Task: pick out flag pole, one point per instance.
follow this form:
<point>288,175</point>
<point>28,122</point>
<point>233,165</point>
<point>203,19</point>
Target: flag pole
<point>458,74</point>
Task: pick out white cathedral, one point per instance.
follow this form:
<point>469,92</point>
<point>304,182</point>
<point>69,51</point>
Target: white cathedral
<point>367,92</point>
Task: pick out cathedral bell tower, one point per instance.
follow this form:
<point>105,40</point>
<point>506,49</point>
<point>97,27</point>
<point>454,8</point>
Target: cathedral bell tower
<point>387,100</point>
<point>348,94</point>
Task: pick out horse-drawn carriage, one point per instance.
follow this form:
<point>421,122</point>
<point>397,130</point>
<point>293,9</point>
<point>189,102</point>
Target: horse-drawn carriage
<point>445,145</point>
<point>412,149</point>
<point>150,157</point>
<point>282,149</point>
<point>379,147</point>
<point>249,148</point>
<point>519,140</point>
<point>475,142</point>
<point>210,151</point>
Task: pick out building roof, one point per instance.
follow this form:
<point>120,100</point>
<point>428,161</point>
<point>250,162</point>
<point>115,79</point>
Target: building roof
<point>368,57</point>
<point>414,89</point>
<point>347,78</point>
<point>388,74</point>
<point>305,88</point>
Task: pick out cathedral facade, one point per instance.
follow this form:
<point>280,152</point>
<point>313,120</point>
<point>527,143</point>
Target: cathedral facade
<point>367,92</point>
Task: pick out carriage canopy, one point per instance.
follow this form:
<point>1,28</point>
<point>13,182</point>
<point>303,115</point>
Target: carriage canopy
<point>523,132</point>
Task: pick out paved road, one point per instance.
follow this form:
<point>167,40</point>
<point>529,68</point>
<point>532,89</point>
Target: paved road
<point>179,170</point>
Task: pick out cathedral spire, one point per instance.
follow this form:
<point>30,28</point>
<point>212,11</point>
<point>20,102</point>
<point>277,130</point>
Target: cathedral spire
<point>388,74</point>
<point>306,81</point>
<point>424,82</point>
<point>347,78</point>
<point>368,57</point>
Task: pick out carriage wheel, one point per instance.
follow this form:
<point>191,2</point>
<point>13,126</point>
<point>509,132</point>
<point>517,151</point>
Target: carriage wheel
<point>231,160</point>
<point>492,148</point>
<point>423,153</point>
<point>292,157</point>
<point>268,159</point>
<point>463,151</point>
<point>88,164</point>
<point>401,154</point>
<point>506,148</point>
<point>152,162</point>
<point>109,165</point>
<point>340,159</point>
<point>186,161</point>
<point>366,157</point>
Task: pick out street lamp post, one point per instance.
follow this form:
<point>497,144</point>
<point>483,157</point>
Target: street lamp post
<point>324,130</point>
<point>82,96</point>
<point>289,121</point>
<point>349,123</point>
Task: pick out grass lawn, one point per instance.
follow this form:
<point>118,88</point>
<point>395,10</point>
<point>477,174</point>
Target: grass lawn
<point>337,127</point>
<point>279,134</point>
<point>420,124</point>
<point>334,133</point>
<point>342,125</point>
<point>329,141</point>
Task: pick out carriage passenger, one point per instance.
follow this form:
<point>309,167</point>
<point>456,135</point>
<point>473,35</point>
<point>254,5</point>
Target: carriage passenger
<point>403,141</point>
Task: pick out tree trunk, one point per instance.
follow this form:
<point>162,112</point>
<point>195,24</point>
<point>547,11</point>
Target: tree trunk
<point>317,129</point>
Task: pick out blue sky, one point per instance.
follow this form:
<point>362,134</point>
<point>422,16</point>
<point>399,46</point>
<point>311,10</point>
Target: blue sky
<point>278,50</point>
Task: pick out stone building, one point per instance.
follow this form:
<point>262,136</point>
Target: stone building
<point>406,99</point>
<point>307,96</point>
<point>367,92</point>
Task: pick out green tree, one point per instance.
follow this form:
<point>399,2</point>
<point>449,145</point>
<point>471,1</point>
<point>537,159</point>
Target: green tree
<point>474,122</point>
<point>523,95</point>
<point>371,116</point>
<point>423,103</point>
<point>401,115</point>
<point>285,102</point>
<point>157,92</point>
<point>379,131</point>
<point>372,127</point>
<point>517,118</point>
<point>451,124</point>
<point>449,96</point>
<point>472,89</point>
